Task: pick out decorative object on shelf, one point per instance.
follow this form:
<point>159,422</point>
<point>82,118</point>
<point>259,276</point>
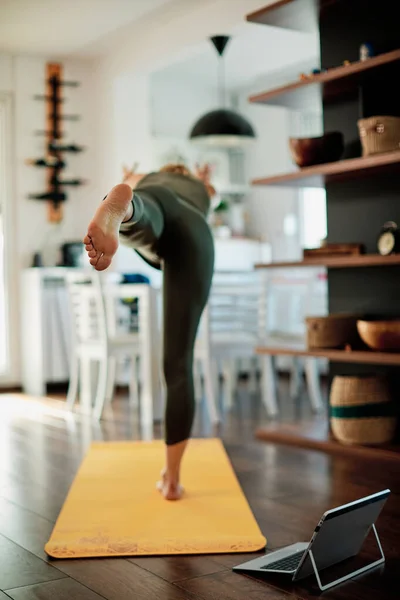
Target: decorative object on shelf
<point>334,250</point>
<point>220,221</point>
<point>71,254</point>
<point>53,160</point>
<point>379,134</point>
<point>237,218</point>
<point>332,331</point>
<point>362,410</point>
<point>382,334</point>
<point>346,63</point>
<point>318,71</point>
<point>221,212</point>
<point>366,51</point>
<point>37,261</point>
<point>317,150</point>
<point>389,239</point>
<point>222,127</point>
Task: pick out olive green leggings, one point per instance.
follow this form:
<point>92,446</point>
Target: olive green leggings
<point>178,234</point>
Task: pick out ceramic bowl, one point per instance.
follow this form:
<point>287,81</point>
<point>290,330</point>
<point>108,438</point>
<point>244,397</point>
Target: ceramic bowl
<point>317,150</point>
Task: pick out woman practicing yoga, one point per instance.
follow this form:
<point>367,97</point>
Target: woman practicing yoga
<point>163,217</point>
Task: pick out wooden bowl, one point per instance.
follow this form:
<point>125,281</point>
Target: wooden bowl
<point>381,335</point>
<point>314,151</point>
<point>332,331</point>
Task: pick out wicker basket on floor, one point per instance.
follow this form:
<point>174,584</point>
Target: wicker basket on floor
<point>361,410</point>
<point>379,134</point>
<point>332,331</point>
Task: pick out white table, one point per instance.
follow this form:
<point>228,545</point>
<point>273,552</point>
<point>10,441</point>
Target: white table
<point>45,343</point>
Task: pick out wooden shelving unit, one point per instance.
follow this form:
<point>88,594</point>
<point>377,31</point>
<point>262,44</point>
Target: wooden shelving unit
<point>343,356</point>
<point>319,175</point>
<point>338,262</point>
<point>349,92</point>
<point>335,82</point>
<point>319,439</point>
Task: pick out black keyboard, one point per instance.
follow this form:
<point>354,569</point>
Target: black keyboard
<point>289,563</point>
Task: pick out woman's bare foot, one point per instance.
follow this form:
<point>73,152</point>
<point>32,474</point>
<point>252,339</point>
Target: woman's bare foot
<point>170,488</point>
<point>102,238</point>
<point>169,484</point>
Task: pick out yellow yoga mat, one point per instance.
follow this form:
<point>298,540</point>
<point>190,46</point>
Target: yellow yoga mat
<point>114,509</point>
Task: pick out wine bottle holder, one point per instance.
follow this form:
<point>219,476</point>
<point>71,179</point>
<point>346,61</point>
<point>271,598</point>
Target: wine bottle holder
<point>54,161</point>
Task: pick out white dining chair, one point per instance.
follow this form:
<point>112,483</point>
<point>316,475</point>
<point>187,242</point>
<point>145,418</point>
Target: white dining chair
<point>97,339</point>
<point>235,321</point>
<point>228,334</point>
<point>286,301</point>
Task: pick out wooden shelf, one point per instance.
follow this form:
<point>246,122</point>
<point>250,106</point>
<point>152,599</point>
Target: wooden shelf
<point>344,356</point>
<point>318,175</point>
<point>335,82</point>
<point>268,15</point>
<point>288,14</point>
<point>321,440</point>
<point>337,262</point>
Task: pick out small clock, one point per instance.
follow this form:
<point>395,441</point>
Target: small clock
<point>389,239</point>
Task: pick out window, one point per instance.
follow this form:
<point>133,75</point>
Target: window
<point>313,226</point>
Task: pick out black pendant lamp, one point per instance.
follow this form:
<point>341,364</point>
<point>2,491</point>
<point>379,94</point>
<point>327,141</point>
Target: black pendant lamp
<point>222,127</point>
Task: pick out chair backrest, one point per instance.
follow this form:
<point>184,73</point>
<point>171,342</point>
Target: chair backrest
<point>234,303</point>
<point>86,303</point>
<point>235,309</point>
<point>292,296</point>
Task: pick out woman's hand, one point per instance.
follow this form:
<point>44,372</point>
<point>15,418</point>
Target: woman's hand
<point>204,174</point>
<point>130,177</point>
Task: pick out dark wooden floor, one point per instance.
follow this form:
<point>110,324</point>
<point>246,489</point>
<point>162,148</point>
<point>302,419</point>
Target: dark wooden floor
<point>41,448</point>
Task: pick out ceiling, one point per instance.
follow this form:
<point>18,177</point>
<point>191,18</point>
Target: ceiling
<point>62,27</point>
<point>251,54</point>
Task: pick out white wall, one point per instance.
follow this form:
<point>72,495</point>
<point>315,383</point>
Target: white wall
<point>6,73</point>
<point>268,155</point>
<point>22,77</point>
<point>154,42</point>
<point>176,104</point>
<point>132,122</point>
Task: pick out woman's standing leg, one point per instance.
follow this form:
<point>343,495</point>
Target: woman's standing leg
<point>188,271</point>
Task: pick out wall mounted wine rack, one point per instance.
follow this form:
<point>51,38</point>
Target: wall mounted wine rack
<point>54,161</point>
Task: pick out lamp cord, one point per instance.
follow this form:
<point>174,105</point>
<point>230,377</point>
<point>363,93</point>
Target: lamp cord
<point>221,82</point>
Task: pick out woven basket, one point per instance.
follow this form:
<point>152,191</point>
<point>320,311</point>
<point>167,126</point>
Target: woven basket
<point>379,134</point>
<point>362,411</point>
<point>332,331</point>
